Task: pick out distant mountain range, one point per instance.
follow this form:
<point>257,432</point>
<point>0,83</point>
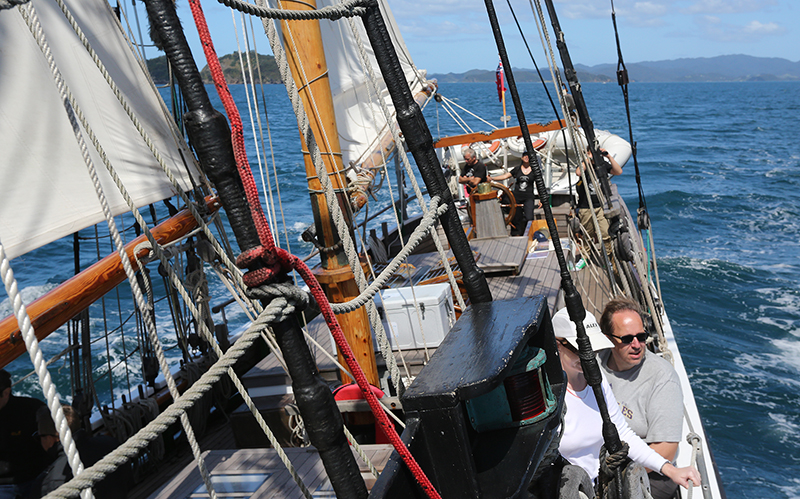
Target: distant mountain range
<point>721,68</point>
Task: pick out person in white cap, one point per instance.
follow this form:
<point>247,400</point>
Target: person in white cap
<point>582,433</point>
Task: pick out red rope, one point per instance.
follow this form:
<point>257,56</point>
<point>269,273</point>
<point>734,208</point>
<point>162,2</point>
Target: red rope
<point>281,261</point>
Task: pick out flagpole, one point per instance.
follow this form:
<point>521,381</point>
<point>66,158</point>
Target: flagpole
<point>501,91</point>
<point>505,117</point>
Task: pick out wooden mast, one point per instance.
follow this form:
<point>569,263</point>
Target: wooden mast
<point>306,58</point>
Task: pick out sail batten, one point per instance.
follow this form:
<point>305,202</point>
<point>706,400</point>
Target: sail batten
<point>45,190</point>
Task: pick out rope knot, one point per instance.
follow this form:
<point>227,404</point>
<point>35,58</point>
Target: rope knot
<point>610,462</point>
<point>294,295</point>
<point>275,263</point>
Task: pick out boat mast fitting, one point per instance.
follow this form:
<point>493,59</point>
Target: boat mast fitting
<point>215,153</point>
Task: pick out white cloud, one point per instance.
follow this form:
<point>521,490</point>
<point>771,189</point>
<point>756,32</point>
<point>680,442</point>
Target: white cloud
<point>758,28</point>
<point>650,9</point>
<point>728,6</point>
<point>713,28</point>
<point>583,9</point>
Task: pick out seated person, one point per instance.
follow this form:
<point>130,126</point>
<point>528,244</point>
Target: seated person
<point>90,448</point>
<point>645,385</point>
<point>582,433</point>
<point>609,167</point>
<point>473,172</point>
<point>21,456</point>
<point>523,193</point>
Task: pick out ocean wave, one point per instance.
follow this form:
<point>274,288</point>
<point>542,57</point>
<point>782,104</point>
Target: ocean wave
<point>28,294</point>
<point>787,430</point>
<point>791,488</point>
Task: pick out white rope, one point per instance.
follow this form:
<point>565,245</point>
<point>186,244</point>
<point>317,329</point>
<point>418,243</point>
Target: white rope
<point>577,140</point>
<point>448,108</point>
<point>40,366</point>
<point>662,340</point>
<point>73,110</point>
<point>208,336</point>
<point>148,141</point>
<point>454,103</point>
<point>409,171</point>
<point>322,174</point>
<point>373,88</point>
<point>250,106</point>
<point>416,237</point>
<point>147,318</point>
<point>278,310</point>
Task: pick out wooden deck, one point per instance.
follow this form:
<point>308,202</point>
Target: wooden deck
<point>511,273</point>
<point>269,476</point>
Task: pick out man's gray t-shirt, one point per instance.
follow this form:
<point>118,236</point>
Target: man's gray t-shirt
<point>649,396</point>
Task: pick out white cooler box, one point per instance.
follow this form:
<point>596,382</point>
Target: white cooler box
<point>399,316</point>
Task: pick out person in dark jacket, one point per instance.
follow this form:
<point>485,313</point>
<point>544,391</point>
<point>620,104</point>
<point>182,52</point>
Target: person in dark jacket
<point>21,456</point>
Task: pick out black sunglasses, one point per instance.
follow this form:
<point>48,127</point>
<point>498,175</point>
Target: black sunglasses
<point>628,338</point>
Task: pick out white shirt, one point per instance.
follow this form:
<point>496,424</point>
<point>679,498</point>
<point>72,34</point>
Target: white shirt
<point>583,432</point>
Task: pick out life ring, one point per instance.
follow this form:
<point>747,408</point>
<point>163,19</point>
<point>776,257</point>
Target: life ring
<point>479,147</point>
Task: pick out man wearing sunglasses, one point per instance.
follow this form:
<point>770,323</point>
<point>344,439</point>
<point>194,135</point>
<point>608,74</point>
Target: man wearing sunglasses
<point>646,386</point>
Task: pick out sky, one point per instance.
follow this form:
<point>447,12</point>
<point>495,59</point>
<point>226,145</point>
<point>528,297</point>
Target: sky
<point>454,36</point>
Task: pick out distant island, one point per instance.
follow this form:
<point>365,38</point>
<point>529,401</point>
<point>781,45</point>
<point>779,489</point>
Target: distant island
<point>721,68</point>
<point>231,68</point>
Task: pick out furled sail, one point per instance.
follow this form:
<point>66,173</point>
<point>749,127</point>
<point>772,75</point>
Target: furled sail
<point>358,115</point>
<point>45,191</point>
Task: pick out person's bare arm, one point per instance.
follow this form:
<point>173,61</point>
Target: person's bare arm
<point>667,450</point>
<point>615,168</point>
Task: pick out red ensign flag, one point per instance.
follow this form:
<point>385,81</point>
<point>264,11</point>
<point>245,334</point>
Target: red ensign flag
<point>501,88</point>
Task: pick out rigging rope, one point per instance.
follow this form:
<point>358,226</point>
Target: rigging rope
<point>282,261</point>
<point>278,310</point>
<point>579,145</point>
<point>37,359</point>
<point>74,113</point>
<point>222,253</point>
<point>622,80</point>
<point>373,88</point>
<point>348,8</point>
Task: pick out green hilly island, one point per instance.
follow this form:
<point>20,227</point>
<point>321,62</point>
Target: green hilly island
<point>231,67</point>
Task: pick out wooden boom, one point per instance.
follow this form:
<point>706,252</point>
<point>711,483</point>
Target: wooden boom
<point>55,308</point>
<point>500,133</point>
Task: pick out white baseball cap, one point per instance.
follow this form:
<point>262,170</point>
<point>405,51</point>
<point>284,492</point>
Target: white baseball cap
<point>565,328</point>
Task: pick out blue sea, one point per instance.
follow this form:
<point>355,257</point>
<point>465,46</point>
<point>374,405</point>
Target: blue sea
<point>721,176</point>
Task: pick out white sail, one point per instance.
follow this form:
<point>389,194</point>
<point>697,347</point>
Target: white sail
<point>45,191</point>
<point>359,117</point>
